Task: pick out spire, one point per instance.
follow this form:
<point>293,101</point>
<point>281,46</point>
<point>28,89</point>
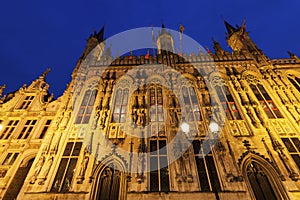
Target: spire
<point>230,29</point>
<point>43,76</point>
<point>163,28</point>
<point>292,55</point>
<point>100,35</point>
<point>217,47</point>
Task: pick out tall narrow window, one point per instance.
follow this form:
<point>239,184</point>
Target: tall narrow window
<point>228,103</point>
<point>26,102</point>
<point>295,81</point>
<point>156,104</point>
<point>265,101</point>
<point>191,104</point>
<point>64,176</point>
<point>27,129</point>
<point>120,107</point>
<point>45,128</point>
<point>156,111</point>
<point>9,129</point>
<point>159,174</point>
<point>86,107</point>
<point>293,146</point>
<point>10,158</point>
<point>206,168</point>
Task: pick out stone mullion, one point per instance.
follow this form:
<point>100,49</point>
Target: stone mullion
<point>247,100</point>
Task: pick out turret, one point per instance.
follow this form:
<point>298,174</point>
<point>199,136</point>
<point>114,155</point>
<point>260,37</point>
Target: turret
<point>240,42</point>
<point>164,40</point>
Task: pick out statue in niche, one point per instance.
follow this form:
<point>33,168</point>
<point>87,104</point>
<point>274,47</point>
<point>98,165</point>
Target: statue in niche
<point>103,116</point>
<point>38,168</point>
<point>206,98</point>
<point>140,167</point>
<point>187,166</point>
<point>83,168</point>
<point>46,169</point>
<point>55,142</point>
<point>141,117</point>
<point>178,162</point>
<point>173,116</point>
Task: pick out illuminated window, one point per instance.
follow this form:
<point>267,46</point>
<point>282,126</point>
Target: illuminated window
<point>206,168</point>
<point>159,172</point>
<point>156,104</point>
<point>265,101</point>
<point>86,107</point>
<point>26,102</point>
<point>120,107</point>
<point>293,146</point>
<point>27,129</point>
<point>9,129</point>
<point>227,102</point>
<point>45,128</point>
<point>10,158</point>
<point>156,111</point>
<point>191,104</point>
<point>64,176</point>
<point>295,81</point>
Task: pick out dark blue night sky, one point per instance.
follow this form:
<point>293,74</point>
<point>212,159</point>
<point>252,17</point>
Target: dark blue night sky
<point>39,34</point>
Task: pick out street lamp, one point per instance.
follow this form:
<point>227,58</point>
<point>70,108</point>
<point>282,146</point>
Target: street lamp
<point>214,127</point>
<point>185,127</point>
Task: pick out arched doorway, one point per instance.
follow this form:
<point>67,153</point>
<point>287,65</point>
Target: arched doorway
<point>18,181</point>
<point>109,180</point>
<point>262,179</point>
<point>109,185</point>
<point>260,182</point>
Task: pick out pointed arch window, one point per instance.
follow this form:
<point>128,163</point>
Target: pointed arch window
<point>228,104</point>
<point>86,107</point>
<point>265,101</point>
<point>191,104</point>
<point>120,105</point>
<point>295,81</point>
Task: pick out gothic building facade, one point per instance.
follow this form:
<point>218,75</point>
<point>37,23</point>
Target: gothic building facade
<point>214,125</point>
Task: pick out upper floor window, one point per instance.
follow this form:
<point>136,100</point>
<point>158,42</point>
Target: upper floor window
<point>9,129</point>
<point>191,104</point>
<point>293,146</point>
<point>86,107</point>
<point>27,129</point>
<point>159,172</point>
<point>26,102</point>
<point>265,101</point>
<point>156,104</point>
<point>10,158</point>
<point>45,128</point>
<point>64,175</point>
<point>228,103</point>
<point>295,81</point>
<point>120,107</point>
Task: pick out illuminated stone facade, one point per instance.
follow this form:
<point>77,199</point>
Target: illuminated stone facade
<point>46,144</point>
